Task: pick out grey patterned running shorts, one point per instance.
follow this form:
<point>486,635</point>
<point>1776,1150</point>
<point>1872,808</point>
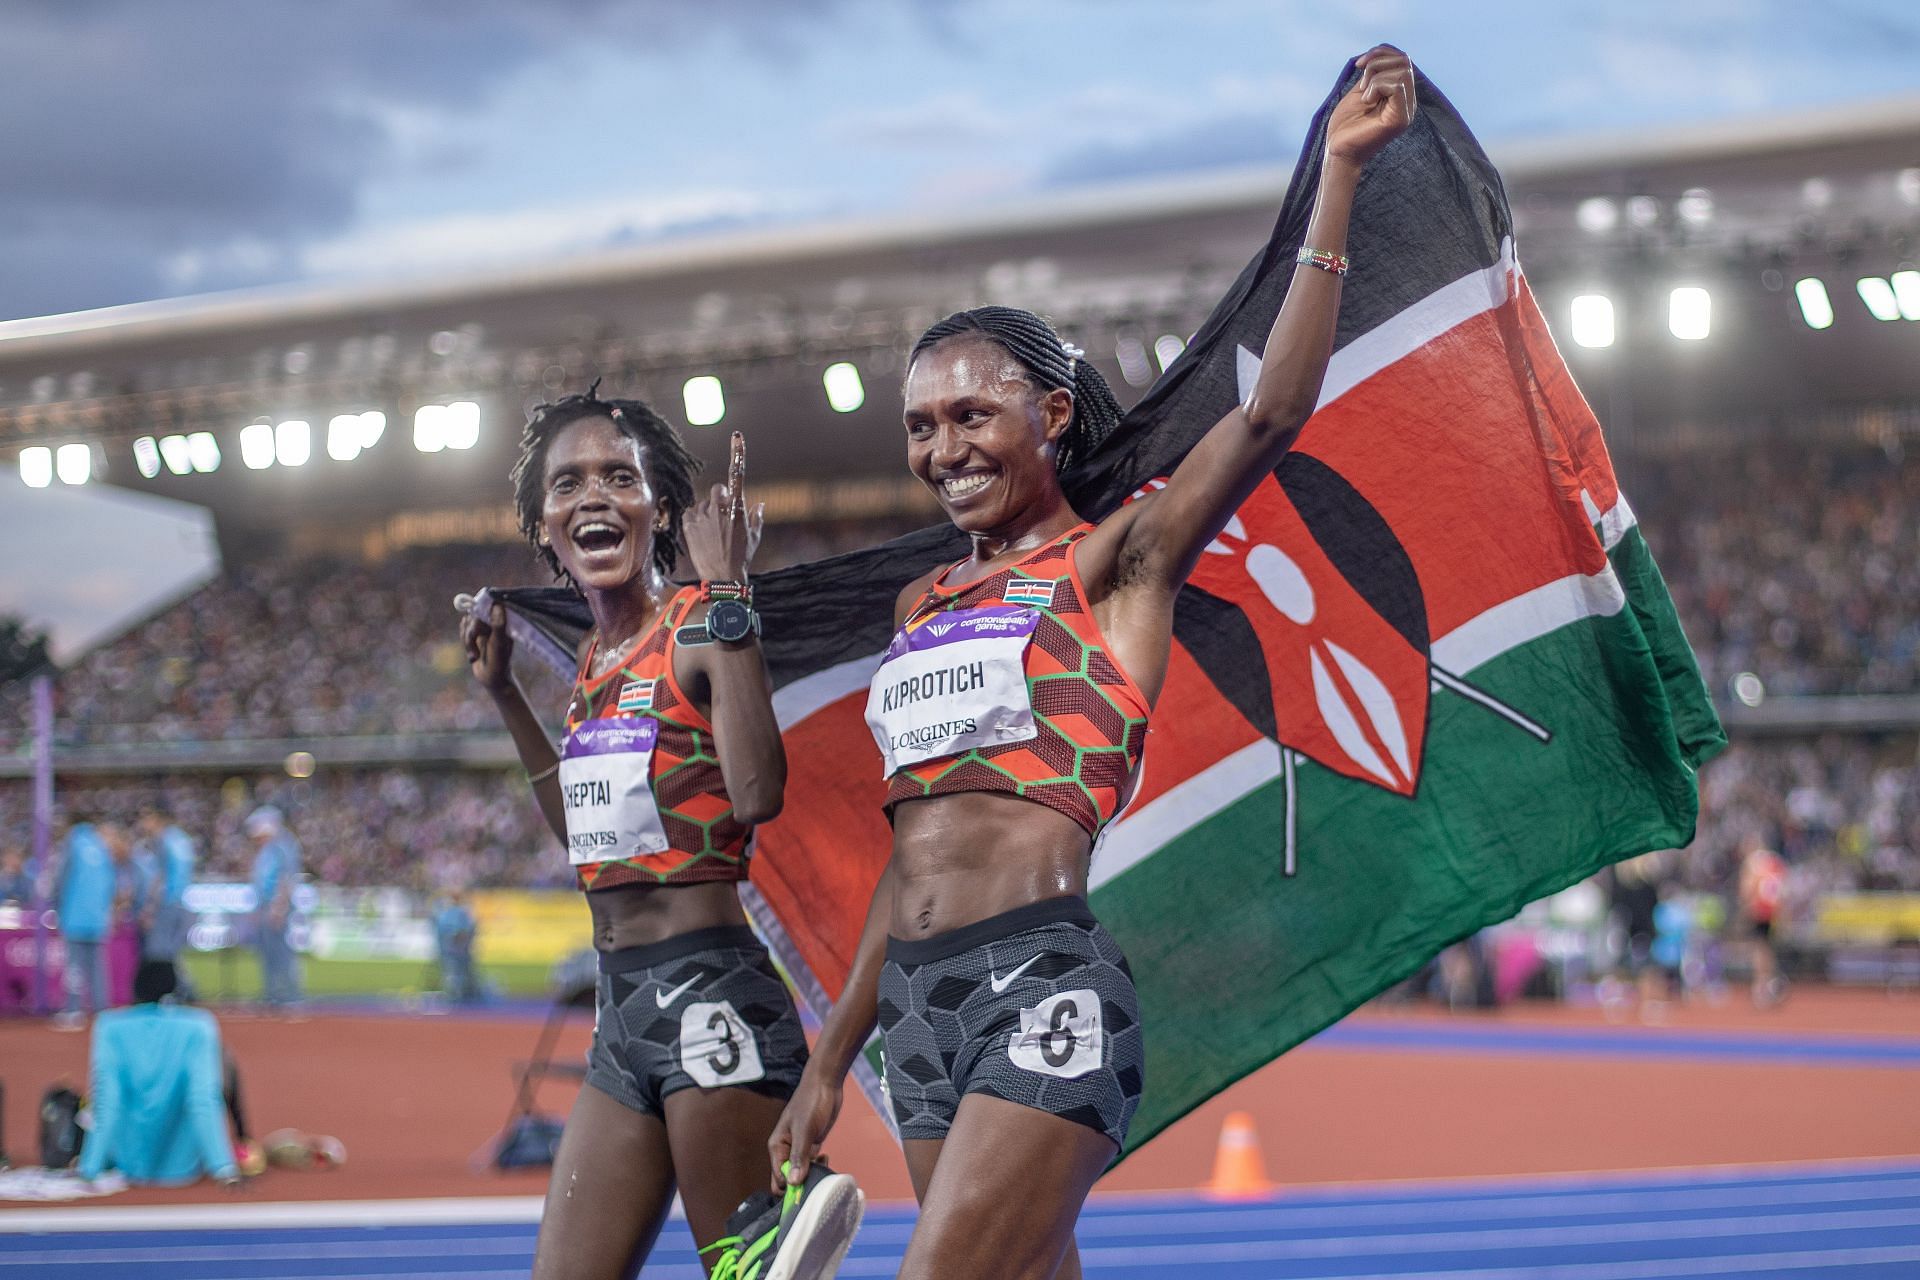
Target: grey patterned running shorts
<point>704,1009</point>
<point>1034,1006</point>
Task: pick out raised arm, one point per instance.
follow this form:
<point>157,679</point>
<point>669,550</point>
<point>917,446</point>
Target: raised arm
<point>1156,542</point>
<point>490,657</point>
<point>721,535</point>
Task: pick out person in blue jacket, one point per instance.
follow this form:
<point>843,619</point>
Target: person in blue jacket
<point>88,882</point>
<point>158,1113</point>
<point>168,920</point>
<point>276,869</point>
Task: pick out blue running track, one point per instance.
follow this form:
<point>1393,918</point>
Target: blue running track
<point>1858,1221</point>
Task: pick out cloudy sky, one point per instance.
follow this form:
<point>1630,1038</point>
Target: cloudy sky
<point>163,147</point>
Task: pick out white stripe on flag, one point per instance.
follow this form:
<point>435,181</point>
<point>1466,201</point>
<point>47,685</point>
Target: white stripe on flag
<point>1527,617</point>
<point>795,702</point>
<point>1141,832</point>
<point>1406,332</point>
<point>1613,524</point>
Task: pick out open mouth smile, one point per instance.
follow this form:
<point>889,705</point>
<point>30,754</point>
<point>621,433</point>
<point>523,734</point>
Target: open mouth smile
<point>961,487</point>
<point>598,535</point>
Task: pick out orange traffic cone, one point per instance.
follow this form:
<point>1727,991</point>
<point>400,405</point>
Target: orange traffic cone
<point>1238,1171</point>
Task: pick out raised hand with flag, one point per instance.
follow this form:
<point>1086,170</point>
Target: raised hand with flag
<point>1011,710</point>
<point>1427,664</point>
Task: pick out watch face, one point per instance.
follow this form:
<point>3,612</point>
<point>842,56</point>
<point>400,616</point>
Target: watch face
<point>729,620</point>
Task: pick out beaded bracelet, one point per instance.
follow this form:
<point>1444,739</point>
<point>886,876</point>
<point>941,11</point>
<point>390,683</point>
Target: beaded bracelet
<point>1324,259</point>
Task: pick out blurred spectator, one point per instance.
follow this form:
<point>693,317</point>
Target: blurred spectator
<point>16,886</point>
<point>1762,884</point>
<point>166,920</point>
<point>158,1114</point>
<point>276,869</point>
<point>88,875</point>
<point>453,935</point>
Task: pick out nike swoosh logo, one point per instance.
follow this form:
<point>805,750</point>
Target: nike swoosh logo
<point>1000,984</point>
<point>665,998</point>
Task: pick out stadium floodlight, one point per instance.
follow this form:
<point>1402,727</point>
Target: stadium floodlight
<point>73,463</point>
<point>373,425</point>
<point>36,466</point>
<point>177,453</point>
<point>1690,313</point>
<point>293,443</point>
<point>463,424</point>
<point>430,428</point>
<point>343,437</point>
<point>1167,348</point>
<point>706,402</point>
<point>202,450</point>
<point>845,392</point>
<point>1906,292</point>
<point>1877,293</point>
<point>1695,206</point>
<point>1592,318</point>
<point>1597,215</point>
<point>256,445</point>
<point>1816,308</point>
<point>146,456</point>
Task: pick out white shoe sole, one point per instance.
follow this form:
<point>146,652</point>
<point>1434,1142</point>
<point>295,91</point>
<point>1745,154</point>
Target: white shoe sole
<point>821,1232</point>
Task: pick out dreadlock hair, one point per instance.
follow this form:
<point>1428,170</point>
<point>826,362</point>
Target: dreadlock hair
<point>670,468</point>
<point>1050,364</point>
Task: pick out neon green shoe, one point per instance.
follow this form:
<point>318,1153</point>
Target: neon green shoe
<point>801,1234</point>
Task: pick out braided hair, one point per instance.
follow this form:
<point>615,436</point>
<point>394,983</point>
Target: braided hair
<point>1050,364</point>
<point>670,468</point>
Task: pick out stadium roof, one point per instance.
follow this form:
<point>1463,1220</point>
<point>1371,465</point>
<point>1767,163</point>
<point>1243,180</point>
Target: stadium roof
<point>1743,209</point>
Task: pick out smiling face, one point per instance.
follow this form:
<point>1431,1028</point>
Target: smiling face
<point>599,513</point>
<point>980,434</point>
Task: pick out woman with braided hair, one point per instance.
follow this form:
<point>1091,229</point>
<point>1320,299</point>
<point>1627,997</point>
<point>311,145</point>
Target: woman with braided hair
<point>1011,710</point>
<point>671,754</point>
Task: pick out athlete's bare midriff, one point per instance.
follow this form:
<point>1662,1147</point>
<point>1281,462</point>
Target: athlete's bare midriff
<point>639,915</point>
<point>962,858</point>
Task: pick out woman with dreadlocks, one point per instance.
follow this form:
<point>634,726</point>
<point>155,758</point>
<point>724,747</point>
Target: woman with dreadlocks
<point>671,754</point>
<point>1011,709</point>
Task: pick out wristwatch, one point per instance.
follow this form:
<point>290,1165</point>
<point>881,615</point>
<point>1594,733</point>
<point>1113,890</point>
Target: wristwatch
<point>730,614</point>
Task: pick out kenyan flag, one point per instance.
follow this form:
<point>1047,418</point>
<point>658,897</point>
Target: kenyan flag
<point>1428,674</point>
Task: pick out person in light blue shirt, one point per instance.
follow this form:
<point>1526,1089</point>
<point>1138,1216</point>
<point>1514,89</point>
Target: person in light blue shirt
<point>167,919</point>
<point>453,930</point>
<point>158,1113</point>
<point>276,869</point>
<point>87,886</point>
<point>16,886</point>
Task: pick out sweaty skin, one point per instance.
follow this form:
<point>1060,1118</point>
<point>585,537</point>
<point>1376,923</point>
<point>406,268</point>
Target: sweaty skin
<point>999,1195</point>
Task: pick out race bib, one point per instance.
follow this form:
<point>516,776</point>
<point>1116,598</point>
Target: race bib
<point>1060,1036</point>
<point>954,683</point>
<point>606,786</point>
<point>717,1046</point>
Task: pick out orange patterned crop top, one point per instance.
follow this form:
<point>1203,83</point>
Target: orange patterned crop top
<point>1007,684</point>
<point>639,777</point>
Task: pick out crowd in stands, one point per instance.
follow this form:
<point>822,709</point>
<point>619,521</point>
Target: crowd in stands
<point>1798,564</point>
<point>429,831</point>
<point>322,647</point>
